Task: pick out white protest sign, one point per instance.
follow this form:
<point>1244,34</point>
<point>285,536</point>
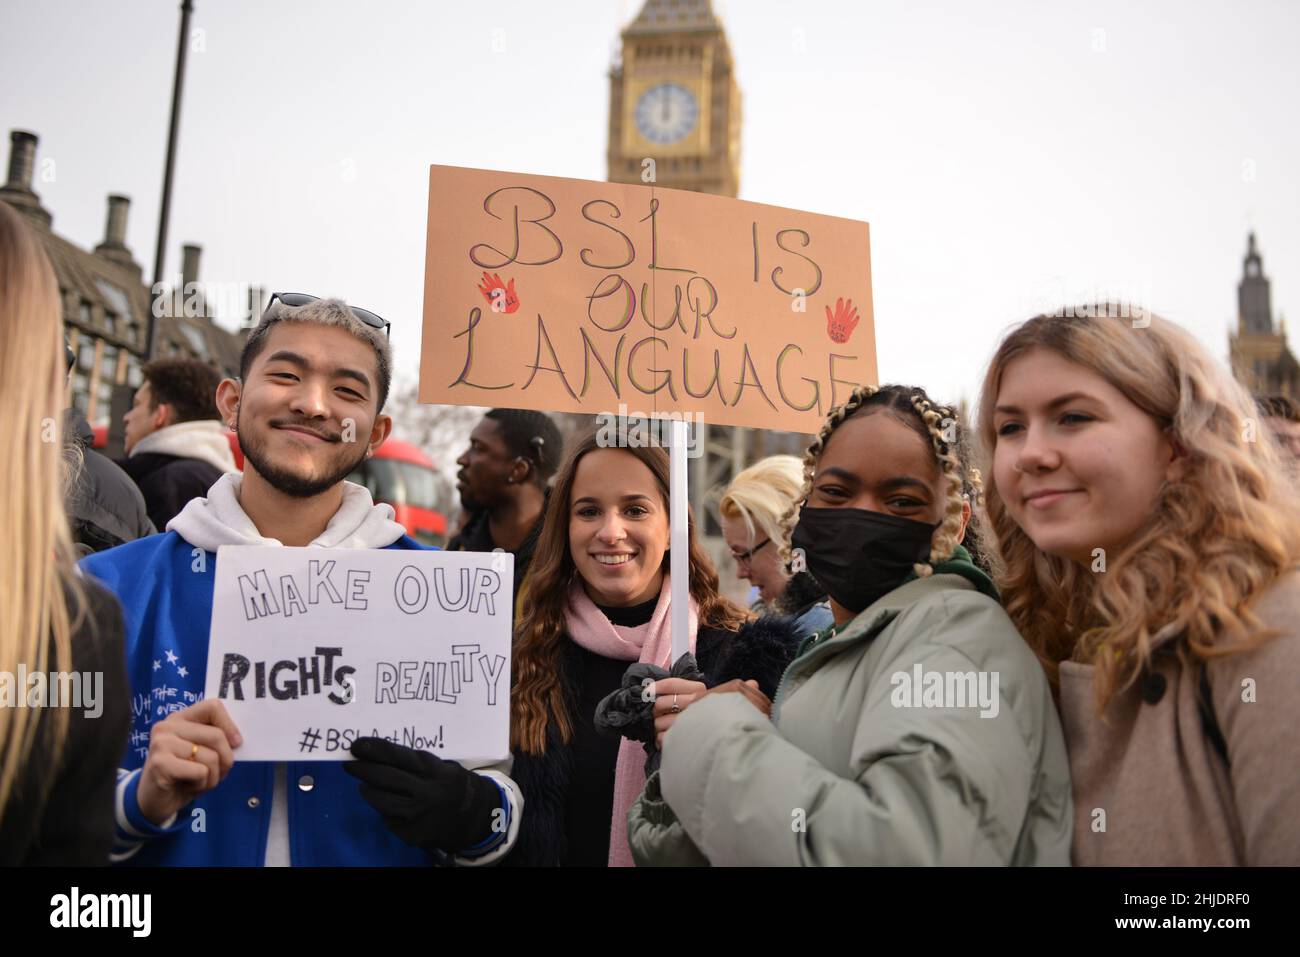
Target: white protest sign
<point>312,648</point>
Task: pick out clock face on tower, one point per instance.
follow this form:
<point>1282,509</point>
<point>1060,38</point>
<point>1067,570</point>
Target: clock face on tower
<point>666,113</point>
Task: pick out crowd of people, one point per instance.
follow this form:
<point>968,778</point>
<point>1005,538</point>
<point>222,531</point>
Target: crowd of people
<point>1065,635</point>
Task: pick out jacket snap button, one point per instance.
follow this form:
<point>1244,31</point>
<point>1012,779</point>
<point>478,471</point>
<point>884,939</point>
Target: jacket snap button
<point>306,782</point>
<point>253,802</point>
<point>1153,688</point>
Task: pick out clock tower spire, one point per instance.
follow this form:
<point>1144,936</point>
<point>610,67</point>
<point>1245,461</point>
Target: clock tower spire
<point>674,100</point>
<point>1258,351</point>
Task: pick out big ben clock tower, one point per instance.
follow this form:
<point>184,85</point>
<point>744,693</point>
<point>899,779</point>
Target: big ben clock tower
<point>673,98</point>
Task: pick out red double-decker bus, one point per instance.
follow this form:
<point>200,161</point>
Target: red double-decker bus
<point>404,477</point>
<point>398,474</point>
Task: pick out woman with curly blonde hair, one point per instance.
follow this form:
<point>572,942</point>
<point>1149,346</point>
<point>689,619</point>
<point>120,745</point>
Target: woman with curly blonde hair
<point>1148,543</point>
<point>918,729</point>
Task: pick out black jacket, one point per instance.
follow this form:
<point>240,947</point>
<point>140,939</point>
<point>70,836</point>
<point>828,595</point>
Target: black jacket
<point>760,650</point>
<point>169,482</point>
<point>63,816</point>
<point>105,508</point>
<point>476,536</point>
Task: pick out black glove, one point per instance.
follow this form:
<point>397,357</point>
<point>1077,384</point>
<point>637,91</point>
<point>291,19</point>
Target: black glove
<point>429,803</point>
<point>630,712</point>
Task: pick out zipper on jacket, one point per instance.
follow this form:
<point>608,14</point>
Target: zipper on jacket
<point>813,646</point>
<point>879,620</point>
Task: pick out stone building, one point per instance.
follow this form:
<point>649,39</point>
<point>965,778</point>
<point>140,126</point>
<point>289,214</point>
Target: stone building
<point>107,305</point>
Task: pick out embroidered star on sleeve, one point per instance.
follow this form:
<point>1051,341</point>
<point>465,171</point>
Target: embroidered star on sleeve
<point>182,671</point>
<point>157,664</point>
<point>171,657</point>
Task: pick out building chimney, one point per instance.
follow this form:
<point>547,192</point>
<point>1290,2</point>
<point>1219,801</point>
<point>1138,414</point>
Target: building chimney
<point>190,264</point>
<point>196,304</point>
<point>115,228</point>
<point>22,158</point>
<point>17,190</point>
<point>113,248</point>
<point>256,306</point>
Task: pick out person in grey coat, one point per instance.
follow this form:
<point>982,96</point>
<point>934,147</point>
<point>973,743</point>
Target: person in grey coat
<point>104,507</point>
<point>918,729</point>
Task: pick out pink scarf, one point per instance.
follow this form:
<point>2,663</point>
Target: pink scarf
<point>649,643</point>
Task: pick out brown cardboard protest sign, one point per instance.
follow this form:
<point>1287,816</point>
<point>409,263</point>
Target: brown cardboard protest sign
<point>574,296</point>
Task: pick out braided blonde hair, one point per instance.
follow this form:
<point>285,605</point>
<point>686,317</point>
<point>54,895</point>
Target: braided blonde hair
<point>938,423</point>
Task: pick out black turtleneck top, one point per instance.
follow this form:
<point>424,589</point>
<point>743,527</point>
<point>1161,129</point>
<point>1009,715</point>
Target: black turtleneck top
<point>591,798</point>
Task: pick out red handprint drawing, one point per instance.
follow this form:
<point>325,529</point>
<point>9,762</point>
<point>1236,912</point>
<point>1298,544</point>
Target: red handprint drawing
<point>845,319</point>
<point>500,297</point>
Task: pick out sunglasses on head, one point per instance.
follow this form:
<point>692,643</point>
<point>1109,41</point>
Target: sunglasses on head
<point>302,299</point>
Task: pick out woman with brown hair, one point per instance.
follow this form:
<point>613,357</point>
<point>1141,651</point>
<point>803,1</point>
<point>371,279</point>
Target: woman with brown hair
<point>1148,541</point>
<point>58,760</point>
<point>597,599</point>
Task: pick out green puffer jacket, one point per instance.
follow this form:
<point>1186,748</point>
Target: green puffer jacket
<point>857,767</point>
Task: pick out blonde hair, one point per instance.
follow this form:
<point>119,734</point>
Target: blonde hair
<point>939,425</point>
<point>39,597</point>
<point>1222,531</point>
<point>761,496</point>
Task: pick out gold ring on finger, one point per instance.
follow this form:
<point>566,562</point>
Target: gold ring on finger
<point>194,751</point>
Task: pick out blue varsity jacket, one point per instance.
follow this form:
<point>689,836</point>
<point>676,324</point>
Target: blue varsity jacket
<point>165,586</point>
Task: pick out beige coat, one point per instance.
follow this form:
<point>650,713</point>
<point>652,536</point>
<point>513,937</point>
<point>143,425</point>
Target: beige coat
<point>1149,786</point>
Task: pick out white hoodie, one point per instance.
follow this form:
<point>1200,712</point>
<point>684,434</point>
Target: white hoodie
<point>202,439</point>
<point>218,520</point>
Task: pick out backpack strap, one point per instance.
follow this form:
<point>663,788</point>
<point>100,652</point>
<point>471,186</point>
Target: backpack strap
<point>1209,720</point>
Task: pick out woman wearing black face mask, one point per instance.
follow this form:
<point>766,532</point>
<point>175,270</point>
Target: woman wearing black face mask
<point>919,729</point>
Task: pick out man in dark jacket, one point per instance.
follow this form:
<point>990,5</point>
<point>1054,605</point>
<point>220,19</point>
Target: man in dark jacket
<point>176,445</point>
<point>502,480</point>
<point>105,509</point>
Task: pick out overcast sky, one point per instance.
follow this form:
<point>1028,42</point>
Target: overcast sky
<point>1009,156</point>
